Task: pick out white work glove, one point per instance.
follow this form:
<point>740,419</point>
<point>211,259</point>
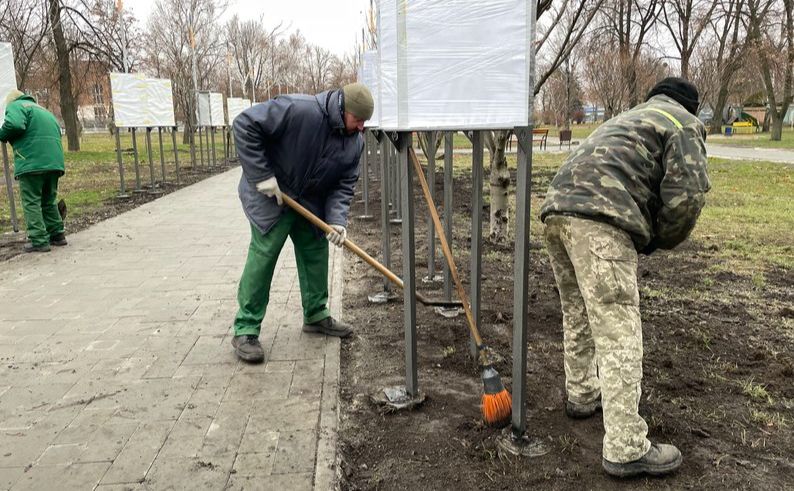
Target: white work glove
<point>269,188</point>
<point>338,236</point>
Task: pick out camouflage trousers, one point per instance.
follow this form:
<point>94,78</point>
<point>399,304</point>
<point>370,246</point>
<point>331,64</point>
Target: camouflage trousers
<point>595,265</point>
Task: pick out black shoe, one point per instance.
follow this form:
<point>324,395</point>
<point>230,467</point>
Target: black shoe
<point>330,327</point>
<point>248,348</point>
<point>661,459</point>
<point>58,240</point>
<point>34,248</point>
<point>582,411</point>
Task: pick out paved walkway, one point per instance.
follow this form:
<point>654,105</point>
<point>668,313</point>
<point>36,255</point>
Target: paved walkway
<point>116,369</point>
<point>748,153</point>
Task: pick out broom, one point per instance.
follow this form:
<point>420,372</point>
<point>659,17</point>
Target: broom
<point>496,400</point>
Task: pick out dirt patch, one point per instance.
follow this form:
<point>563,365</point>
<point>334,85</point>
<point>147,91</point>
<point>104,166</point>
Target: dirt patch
<point>718,375</point>
<point>12,244</point>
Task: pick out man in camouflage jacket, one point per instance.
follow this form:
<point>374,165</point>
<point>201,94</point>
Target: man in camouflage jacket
<point>637,184</point>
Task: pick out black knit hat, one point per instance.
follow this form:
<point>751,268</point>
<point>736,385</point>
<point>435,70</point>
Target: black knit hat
<point>681,90</point>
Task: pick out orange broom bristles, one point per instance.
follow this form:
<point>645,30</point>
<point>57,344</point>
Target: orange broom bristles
<point>497,403</point>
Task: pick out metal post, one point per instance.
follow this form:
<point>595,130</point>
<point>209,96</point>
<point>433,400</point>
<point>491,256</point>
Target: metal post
<point>162,156</point>
<point>476,231</point>
<point>192,139</point>
<point>448,152</point>
<point>409,264</point>
<point>10,188</point>
<point>122,190</point>
<point>385,191</point>
<point>398,179</point>
<point>138,188</point>
<point>212,134</point>
<point>225,147</point>
<point>176,153</point>
<point>521,279</point>
<point>366,178</point>
<point>201,147</point>
<point>431,183</point>
<point>153,187</point>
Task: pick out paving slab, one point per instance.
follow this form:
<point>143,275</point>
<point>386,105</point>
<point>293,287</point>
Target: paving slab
<point>117,372</point>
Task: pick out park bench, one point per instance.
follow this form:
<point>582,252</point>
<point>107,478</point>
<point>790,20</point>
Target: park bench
<point>565,137</point>
<point>540,135</point>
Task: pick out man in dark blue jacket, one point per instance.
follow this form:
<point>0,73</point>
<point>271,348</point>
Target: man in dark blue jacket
<point>307,147</point>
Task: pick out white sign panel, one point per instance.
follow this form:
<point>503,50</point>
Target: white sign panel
<point>210,109</point>
<point>369,77</point>
<point>235,105</point>
<point>8,76</point>
<point>454,64</point>
<point>139,101</point>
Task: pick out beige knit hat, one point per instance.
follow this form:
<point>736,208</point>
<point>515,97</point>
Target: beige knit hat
<point>358,100</point>
<point>13,95</point>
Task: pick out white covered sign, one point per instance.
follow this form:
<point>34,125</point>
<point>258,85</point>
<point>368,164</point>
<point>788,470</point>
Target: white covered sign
<point>139,101</point>
<point>210,109</point>
<point>369,77</point>
<point>8,77</point>
<point>236,105</point>
<point>454,64</point>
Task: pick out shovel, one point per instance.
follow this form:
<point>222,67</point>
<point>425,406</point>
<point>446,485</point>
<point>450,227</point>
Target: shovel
<point>363,255</point>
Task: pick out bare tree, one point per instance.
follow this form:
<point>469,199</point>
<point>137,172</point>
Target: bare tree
<point>183,33</point>
<point>25,24</point>
<point>686,20</point>
<point>558,38</point>
<point>772,34</point>
<point>318,68</point>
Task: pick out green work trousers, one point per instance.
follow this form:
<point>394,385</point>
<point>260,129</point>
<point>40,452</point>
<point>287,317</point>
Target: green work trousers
<point>39,192</point>
<point>311,256</point>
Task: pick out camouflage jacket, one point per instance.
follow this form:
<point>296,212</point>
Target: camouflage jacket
<point>643,171</point>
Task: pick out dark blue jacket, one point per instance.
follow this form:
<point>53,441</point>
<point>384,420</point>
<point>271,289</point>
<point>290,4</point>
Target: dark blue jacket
<point>301,140</point>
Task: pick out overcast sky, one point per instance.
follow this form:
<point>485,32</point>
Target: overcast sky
<point>332,24</point>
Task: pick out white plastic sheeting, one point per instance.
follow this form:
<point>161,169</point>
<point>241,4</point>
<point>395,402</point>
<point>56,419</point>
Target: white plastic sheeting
<point>454,64</point>
<point>369,77</point>
<point>210,109</point>
<point>139,101</point>
<point>8,76</point>
<point>236,105</point>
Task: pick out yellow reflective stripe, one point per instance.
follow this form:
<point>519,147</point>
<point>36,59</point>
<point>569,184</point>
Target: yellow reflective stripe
<point>668,116</point>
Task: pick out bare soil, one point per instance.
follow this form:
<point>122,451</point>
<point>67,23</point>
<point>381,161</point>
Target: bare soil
<point>12,244</point>
<point>719,376</point>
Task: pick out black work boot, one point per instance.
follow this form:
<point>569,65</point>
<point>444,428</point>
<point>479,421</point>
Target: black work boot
<point>660,459</point>
<point>330,327</point>
<point>582,411</point>
<point>58,240</point>
<point>34,248</point>
<point>248,348</point>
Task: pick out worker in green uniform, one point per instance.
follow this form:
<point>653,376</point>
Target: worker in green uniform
<point>35,136</point>
<point>635,185</point>
<point>308,147</point>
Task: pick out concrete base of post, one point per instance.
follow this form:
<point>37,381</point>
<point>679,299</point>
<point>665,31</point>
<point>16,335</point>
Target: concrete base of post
<point>397,398</point>
<point>435,279</point>
<point>383,297</point>
<point>522,446</point>
<point>448,312</point>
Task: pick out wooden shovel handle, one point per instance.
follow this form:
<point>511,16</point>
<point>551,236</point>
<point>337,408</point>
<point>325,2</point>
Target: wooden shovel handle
<point>349,244</point>
<point>445,247</point>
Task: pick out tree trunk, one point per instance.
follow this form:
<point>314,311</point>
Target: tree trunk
<point>68,107</point>
<point>719,108</point>
<point>777,126</point>
<point>500,182</point>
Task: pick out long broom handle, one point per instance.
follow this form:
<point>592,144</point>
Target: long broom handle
<point>351,246</point>
<point>447,251</point>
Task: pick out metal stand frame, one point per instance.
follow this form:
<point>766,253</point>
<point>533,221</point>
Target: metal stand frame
<point>122,189</point>
<point>10,188</point>
<point>138,188</point>
<point>153,186</point>
<point>364,175</point>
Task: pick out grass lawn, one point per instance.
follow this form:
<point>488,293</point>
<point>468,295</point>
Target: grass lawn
<point>756,140</point>
<point>748,218</point>
<point>92,174</point>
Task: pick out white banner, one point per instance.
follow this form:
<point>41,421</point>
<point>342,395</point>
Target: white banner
<point>234,106</point>
<point>210,109</point>
<point>443,67</point>
<point>369,77</point>
<point>139,101</point>
<point>8,77</point>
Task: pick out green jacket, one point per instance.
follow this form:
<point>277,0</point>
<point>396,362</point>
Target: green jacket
<point>643,171</point>
<point>35,135</point>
